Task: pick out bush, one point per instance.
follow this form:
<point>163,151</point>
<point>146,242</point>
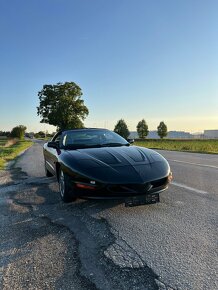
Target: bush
<point>18,132</point>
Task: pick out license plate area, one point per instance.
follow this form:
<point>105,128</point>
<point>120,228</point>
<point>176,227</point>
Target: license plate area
<point>142,200</point>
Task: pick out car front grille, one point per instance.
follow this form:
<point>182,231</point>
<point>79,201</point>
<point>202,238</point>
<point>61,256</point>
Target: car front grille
<point>137,188</point>
<point>126,188</point>
<point>159,182</point>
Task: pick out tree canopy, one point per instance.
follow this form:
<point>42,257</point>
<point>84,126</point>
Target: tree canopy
<point>18,132</point>
<point>162,130</point>
<point>61,105</point>
<point>142,129</point>
<point>122,129</point>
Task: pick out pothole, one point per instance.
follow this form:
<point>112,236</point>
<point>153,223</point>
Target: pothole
<point>123,255</point>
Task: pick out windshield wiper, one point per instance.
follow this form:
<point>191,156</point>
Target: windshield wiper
<point>114,144</point>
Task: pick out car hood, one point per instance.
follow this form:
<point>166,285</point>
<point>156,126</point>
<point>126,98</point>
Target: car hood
<point>123,164</point>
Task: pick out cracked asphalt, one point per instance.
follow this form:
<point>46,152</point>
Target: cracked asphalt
<point>100,244</point>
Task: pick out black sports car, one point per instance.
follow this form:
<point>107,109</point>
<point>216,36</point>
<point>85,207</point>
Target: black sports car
<point>100,163</point>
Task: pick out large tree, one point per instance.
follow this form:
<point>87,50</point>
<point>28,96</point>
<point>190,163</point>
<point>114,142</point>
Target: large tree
<point>142,129</point>
<point>122,129</point>
<point>162,130</point>
<point>61,105</point>
<point>18,132</point>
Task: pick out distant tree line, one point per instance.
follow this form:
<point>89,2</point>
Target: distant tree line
<point>42,134</point>
<point>16,132</point>
<point>121,128</point>
<point>5,133</point>
<point>20,132</point>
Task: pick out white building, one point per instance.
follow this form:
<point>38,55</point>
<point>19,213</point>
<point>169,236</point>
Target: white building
<point>211,134</point>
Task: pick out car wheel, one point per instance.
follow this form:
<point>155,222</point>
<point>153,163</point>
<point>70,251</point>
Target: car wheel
<point>48,173</point>
<point>65,187</point>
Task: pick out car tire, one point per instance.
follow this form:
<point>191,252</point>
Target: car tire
<point>47,172</point>
<point>65,187</point>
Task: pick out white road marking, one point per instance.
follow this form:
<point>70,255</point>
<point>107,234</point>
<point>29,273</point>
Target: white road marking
<point>192,163</point>
<point>189,188</point>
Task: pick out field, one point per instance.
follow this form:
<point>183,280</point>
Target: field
<point>193,145</point>
<point>10,148</point>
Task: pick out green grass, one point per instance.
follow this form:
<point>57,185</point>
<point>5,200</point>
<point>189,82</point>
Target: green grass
<point>193,145</point>
<point>10,152</point>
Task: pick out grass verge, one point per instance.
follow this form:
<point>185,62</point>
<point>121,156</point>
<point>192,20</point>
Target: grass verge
<point>193,145</point>
<point>8,153</point>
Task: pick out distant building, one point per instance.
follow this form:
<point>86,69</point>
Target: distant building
<point>213,134</point>
<point>208,134</point>
<point>179,135</point>
<point>151,135</point>
<point>170,135</point>
<point>198,136</point>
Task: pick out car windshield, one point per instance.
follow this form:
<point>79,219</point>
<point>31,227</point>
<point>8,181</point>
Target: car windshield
<point>92,138</point>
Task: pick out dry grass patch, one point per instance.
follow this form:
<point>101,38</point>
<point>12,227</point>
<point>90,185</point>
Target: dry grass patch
<point>10,142</point>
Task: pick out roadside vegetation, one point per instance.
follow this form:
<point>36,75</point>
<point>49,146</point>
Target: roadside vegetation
<point>192,145</point>
<point>10,148</point>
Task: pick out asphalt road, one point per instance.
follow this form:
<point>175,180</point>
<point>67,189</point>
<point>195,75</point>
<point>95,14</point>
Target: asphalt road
<point>98,244</point>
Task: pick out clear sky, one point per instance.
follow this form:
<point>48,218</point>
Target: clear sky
<point>133,59</point>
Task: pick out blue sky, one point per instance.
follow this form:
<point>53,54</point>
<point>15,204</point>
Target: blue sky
<point>133,59</point>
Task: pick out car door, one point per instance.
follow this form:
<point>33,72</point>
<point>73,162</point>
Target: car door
<point>51,155</point>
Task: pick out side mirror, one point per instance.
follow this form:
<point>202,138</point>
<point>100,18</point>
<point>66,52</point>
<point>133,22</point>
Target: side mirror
<point>131,141</point>
<point>53,144</point>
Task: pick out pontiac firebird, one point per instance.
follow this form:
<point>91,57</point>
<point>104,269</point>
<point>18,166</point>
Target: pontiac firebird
<point>99,163</point>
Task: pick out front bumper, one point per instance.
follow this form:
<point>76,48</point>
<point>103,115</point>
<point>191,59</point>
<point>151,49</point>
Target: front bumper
<point>122,190</point>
